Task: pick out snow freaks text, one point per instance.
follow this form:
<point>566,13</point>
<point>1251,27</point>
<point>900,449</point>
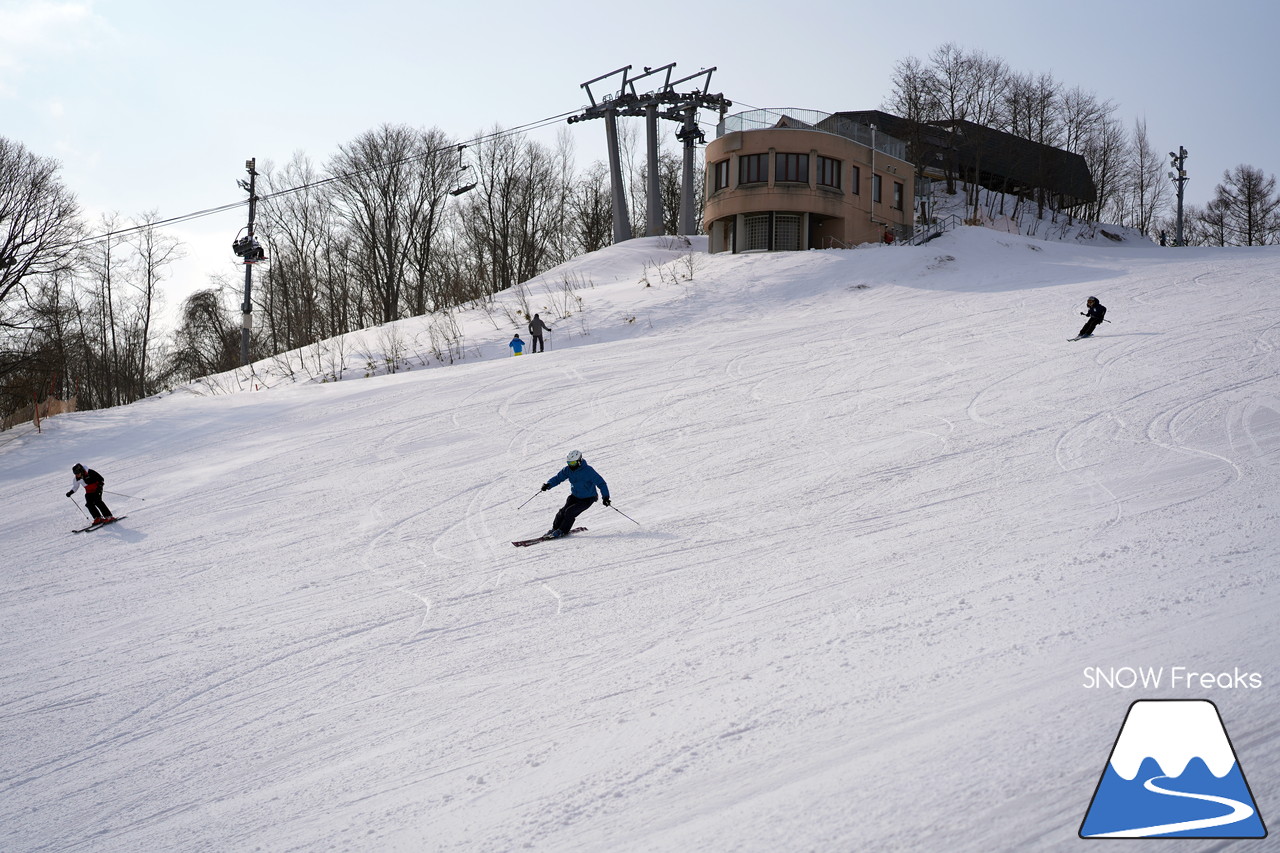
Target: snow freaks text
<point>1174,677</point>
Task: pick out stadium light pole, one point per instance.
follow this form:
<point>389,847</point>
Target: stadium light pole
<point>1179,178</point>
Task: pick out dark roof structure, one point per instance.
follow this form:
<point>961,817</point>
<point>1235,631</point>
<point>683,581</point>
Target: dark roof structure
<point>992,158</point>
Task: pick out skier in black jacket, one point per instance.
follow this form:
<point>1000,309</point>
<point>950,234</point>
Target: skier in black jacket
<point>536,328</point>
<point>93,484</point>
<point>1095,314</point>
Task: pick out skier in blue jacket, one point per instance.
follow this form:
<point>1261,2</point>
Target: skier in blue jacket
<point>583,482</point>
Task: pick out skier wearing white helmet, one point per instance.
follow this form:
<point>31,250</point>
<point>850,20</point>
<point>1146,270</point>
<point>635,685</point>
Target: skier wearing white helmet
<point>583,482</point>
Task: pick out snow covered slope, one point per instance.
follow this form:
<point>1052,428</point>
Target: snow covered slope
<point>887,514</point>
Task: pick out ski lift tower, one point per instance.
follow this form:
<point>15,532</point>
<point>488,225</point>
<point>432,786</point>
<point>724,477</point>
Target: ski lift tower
<point>664,102</point>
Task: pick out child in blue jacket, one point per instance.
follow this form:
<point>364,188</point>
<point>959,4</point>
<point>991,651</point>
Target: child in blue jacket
<point>517,345</point>
<point>583,482</point>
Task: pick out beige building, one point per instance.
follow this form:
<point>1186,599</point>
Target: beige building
<point>785,180</point>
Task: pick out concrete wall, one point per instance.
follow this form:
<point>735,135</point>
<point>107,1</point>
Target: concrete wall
<point>832,217</point>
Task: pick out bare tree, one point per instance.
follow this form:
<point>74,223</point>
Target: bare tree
<point>99,330</point>
<point>1105,148</point>
<point>386,201</point>
<point>1147,184</point>
<point>590,224</point>
<point>156,251</point>
<point>953,93</point>
<point>207,339</point>
<point>508,218</point>
<point>1248,206</point>
<point>297,220</point>
<point>38,228</point>
<point>438,174</point>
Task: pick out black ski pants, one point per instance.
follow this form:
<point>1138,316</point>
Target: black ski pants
<point>93,500</point>
<point>1089,326</point>
<point>568,513</point>
<point>537,343</point>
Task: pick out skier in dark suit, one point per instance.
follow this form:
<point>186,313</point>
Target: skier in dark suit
<point>536,328</point>
<point>93,484</point>
<point>1095,314</point>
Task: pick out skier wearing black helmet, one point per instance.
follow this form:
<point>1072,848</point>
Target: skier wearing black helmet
<point>583,482</point>
<point>1095,314</point>
<point>93,484</point>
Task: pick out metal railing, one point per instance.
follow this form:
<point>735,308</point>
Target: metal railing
<point>935,228</point>
<point>802,119</point>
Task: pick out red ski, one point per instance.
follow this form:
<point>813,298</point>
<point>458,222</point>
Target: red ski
<point>103,524</point>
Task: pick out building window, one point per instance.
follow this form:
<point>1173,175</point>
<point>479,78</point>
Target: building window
<point>875,188</point>
<point>720,176</point>
<point>753,168</point>
<point>757,236</point>
<point>786,232</point>
<point>828,172</point>
<point>792,168</point>
<point>856,187</point>
<point>897,195</point>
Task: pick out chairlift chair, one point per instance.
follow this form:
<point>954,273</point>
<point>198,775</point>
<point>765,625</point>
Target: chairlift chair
<point>462,167</point>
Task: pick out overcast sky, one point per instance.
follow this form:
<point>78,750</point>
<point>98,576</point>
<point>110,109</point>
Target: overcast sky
<point>154,106</point>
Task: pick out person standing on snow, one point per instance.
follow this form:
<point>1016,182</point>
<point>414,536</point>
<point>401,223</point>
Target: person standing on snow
<point>1095,314</point>
<point>536,328</point>
<point>517,345</point>
<point>583,481</point>
<point>93,484</point>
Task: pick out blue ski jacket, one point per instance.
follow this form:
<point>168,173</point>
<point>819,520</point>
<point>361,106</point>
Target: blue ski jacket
<point>583,481</point>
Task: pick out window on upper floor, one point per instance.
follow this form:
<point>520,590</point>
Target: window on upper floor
<point>720,176</point>
<point>855,185</point>
<point>897,195</point>
<point>753,168</point>
<point>828,172</point>
<point>875,188</point>
<point>792,168</point>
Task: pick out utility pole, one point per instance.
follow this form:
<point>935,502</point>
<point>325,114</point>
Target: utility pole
<point>247,247</point>
<point>1179,178</point>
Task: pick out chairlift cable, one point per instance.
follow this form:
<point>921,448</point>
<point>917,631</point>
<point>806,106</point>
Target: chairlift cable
<point>176,220</point>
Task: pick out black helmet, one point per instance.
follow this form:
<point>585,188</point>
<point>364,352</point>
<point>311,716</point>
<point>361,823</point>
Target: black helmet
<point>77,468</point>
<point>1092,299</point>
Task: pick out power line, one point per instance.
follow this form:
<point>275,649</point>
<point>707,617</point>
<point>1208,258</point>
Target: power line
<point>199,214</point>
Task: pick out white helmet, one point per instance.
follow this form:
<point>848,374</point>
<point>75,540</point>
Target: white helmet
<point>574,457</point>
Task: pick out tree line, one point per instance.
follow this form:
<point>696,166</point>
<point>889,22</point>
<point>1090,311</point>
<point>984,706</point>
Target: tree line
<point>377,232</point>
<point>1129,173</point>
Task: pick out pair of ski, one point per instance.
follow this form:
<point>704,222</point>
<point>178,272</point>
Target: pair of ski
<point>1079,337</point>
<point>103,524</point>
<point>524,543</point>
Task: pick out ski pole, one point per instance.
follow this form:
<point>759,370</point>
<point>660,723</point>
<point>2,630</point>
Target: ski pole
<point>77,506</point>
<point>624,515</point>
<point>123,495</point>
<point>535,494</point>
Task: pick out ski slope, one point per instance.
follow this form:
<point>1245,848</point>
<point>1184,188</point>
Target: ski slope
<point>887,516</point>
